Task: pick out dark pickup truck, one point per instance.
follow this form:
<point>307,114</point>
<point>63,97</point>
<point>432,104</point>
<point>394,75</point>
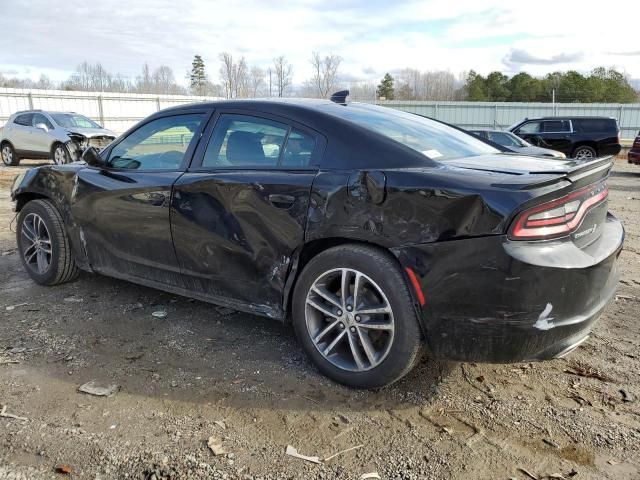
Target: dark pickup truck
<point>576,137</point>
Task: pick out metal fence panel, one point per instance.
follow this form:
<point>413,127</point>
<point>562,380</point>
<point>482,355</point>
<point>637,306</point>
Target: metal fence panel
<point>119,111</point>
<point>504,114</point>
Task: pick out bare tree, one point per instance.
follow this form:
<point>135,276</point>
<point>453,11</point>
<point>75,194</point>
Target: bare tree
<point>144,82</point>
<point>164,81</point>
<point>325,73</point>
<point>256,81</point>
<point>283,72</point>
<point>234,76</point>
<point>90,77</point>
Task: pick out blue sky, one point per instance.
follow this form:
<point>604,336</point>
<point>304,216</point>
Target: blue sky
<point>373,37</point>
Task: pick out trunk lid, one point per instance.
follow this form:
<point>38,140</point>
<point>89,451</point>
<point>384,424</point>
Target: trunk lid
<point>548,180</point>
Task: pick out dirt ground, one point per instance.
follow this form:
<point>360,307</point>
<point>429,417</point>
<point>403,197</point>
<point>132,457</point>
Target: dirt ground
<point>205,372</point>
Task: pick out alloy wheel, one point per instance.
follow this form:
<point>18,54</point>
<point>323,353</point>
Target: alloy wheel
<point>7,155</point>
<point>59,155</point>
<point>584,153</point>
<point>37,243</point>
<point>349,319</point>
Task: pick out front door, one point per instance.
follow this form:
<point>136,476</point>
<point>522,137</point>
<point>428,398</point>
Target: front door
<point>239,213</point>
<point>125,207</point>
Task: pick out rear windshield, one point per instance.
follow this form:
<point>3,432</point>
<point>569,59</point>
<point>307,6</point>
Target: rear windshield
<point>433,139</point>
<point>595,125</point>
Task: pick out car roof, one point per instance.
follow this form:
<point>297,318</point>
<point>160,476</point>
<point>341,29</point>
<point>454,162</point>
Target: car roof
<point>37,110</point>
<point>570,117</point>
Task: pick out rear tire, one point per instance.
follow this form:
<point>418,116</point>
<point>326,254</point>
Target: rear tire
<point>584,152</point>
<point>60,154</point>
<point>9,155</point>
<point>43,244</point>
<point>351,344</point>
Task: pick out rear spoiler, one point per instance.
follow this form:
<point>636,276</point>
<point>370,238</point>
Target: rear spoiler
<point>587,172</point>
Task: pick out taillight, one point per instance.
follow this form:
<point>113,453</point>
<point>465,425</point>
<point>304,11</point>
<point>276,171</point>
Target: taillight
<point>559,217</point>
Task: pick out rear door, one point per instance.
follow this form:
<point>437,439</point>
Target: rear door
<point>557,135</point>
<point>20,130</point>
<point>240,211</point>
<point>124,208</point>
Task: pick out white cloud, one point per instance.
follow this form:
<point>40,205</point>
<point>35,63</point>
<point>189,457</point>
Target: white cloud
<point>372,36</point>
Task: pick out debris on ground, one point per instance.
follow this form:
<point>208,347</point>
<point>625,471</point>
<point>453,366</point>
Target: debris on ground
<point>528,473</point>
<point>370,476</point>
<point>221,424</point>
<point>159,314</point>
<point>586,371</point>
<point>99,389</point>
<point>9,308</point>
<point>4,414</point>
<point>215,444</point>
<point>8,361</point>
<point>63,469</point>
<point>626,396</point>
<point>292,452</point>
<point>343,451</point>
<point>73,299</point>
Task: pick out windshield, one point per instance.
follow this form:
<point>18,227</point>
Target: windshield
<point>71,120</point>
<point>431,138</point>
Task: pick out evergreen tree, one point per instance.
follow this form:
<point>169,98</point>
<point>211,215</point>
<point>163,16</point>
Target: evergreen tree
<point>385,89</point>
<point>198,77</point>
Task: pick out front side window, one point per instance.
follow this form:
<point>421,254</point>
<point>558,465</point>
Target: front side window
<point>531,127</point>
<point>158,145</point>
<point>433,139</point>
<point>38,118</point>
<point>73,120</point>
<point>245,141</point>
<point>504,139</point>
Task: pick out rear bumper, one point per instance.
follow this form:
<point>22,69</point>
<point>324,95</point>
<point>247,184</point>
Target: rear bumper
<point>490,299</point>
<point>634,157</point>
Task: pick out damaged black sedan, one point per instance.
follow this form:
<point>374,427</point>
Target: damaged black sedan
<point>371,231</point>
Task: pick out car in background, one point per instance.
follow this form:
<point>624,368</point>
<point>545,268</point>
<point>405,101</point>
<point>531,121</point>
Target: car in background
<point>370,231</point>
<point>634,153</point>
<point>515,144</point>
<point>59,136</point>
<point>576,137</point>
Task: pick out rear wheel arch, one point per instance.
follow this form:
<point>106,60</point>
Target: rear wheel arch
<point>311,249</point>
<point>16,158</point>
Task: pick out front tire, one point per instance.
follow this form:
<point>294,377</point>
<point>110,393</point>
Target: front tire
<point>584,152</point>
<point>60,154</point>
<point>354,316</point>
<point>9,156</point>
<point>43,244</point>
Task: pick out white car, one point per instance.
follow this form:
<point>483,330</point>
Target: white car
<point>59,136</point>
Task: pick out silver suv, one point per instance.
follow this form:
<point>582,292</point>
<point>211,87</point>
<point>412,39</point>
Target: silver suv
<point>60,136</point>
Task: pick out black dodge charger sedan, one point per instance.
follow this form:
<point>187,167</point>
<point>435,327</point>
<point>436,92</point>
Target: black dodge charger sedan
<point>371,231</point>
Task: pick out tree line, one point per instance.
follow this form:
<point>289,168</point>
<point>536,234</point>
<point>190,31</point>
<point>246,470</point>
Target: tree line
<point>236,78</point>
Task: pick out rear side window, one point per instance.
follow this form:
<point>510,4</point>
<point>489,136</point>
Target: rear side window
<point>245,141</point>
<point>24,119</point>
<point>557,126</point>
<point>503,139</point>
<point>588,125</point>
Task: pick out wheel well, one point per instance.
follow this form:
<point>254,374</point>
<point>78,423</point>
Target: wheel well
<point>311,249</point>
<point>5,142</point>
<point>24,198</point>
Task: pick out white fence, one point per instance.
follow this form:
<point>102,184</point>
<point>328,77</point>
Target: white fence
<point>115,111</point>
<point>119,111</point>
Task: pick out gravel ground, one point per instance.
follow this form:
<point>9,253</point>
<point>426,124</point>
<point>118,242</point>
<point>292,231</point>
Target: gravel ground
<point>204,372</point>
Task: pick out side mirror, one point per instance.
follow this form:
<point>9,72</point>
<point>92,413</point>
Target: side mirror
<point>91,157</point>
<point>42,126</point>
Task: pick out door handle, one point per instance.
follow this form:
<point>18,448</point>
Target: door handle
<point>281,201</point>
